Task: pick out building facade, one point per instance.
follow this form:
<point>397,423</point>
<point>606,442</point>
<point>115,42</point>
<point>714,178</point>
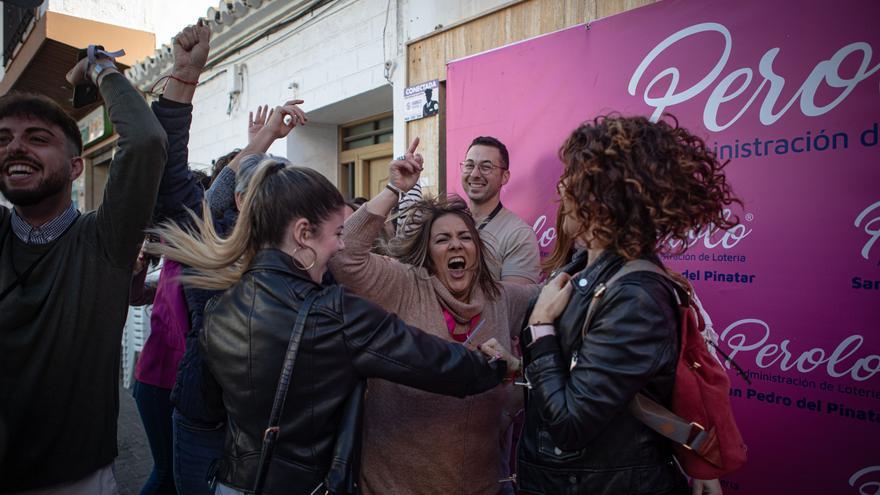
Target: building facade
<point>350,61</point>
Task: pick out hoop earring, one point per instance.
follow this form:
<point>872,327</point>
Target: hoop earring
<point>299,264</point>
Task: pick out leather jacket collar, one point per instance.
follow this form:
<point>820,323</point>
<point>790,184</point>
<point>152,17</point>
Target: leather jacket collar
<point>276,260</point>
<point>587,279</point>
<point>585,282</point>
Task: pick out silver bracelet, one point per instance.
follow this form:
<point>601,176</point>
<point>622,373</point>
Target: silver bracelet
<point>393,188</point>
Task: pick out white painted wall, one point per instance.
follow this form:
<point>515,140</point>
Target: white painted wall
<point>423,16</point>
<point>314,146</point>
<point>335,57</point>
<point>165,18</point>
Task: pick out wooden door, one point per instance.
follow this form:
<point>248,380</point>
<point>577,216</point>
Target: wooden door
<point>364,171</point>
<point>378,170</point>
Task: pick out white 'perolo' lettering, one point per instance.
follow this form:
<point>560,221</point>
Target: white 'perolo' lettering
<point>872,228</point>
<point>751,335</point>
<point>873,486</point>
<point>739,80</point>
<point>711,236</point>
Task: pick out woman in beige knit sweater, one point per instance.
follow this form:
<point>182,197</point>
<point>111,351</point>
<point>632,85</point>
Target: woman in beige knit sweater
<point>416,442</point>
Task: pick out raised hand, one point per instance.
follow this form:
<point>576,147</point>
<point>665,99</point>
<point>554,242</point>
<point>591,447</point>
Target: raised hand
<point>78,74</point>
<point>140,263</point>
<point>283,119</point>
<point>404,171</point>
<point>552,300</point>
<point>190,49</point>
<point>255,124</point>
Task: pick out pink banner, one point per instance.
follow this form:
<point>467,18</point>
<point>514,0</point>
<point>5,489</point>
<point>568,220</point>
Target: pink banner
<point>790,93</point>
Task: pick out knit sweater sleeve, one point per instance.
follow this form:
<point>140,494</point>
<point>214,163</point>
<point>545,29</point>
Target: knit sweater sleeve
<point>380,279</point>
<point>518,298</point>
<point>135,172</point>
<point>221,194</point>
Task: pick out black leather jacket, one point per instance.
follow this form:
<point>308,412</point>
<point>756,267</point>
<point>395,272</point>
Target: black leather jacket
<point>345,340</point>
<point>579,437</point>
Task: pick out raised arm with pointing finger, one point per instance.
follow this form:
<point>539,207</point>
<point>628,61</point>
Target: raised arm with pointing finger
<point>356,266</point>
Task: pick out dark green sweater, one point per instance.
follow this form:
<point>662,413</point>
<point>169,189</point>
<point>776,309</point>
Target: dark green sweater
<point>60,333</point>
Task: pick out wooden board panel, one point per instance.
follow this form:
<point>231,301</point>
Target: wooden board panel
<point>428,130</point>
<point>427,58</point>
<point>611,7</point>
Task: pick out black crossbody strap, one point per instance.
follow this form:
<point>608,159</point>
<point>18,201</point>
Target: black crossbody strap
<point>270,436</point>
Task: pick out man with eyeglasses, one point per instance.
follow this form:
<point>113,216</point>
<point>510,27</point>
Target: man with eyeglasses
<point>485,169</point>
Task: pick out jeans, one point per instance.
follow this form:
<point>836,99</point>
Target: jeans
<point>227,490</point>
<point>155,410</point>
<point>196,446</point>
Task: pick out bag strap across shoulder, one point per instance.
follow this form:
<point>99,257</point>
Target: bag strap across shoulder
<point>270,436</point>
<point>652,414</point>
<point>628,268</point>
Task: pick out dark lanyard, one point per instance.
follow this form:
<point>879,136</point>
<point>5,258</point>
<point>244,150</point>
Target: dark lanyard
<point>490,217</point>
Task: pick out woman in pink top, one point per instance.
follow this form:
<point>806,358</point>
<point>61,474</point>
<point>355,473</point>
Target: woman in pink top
<point>414,441</point>
<point>156,369</point>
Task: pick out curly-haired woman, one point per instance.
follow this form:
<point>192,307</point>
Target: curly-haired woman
<point>628,187</point>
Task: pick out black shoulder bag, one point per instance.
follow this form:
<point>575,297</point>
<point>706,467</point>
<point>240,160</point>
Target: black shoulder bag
<point>342,477</point>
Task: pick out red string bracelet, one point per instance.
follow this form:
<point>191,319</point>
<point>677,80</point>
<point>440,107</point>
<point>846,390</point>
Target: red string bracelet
<point>165,80</point>
<point>184,81</point>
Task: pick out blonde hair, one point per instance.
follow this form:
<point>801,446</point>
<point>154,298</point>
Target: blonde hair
<point>277,194</point>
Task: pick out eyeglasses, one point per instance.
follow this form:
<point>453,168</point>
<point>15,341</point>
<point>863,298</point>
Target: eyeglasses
<point>486,167</point>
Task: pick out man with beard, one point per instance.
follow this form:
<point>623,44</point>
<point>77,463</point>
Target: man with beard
<point>64,282</point>
<point>485,169</point>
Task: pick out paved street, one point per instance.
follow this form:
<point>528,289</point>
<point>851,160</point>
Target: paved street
<point>134,463</point>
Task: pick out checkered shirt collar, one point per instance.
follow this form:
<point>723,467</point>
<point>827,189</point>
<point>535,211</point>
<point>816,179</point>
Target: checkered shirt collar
<point>46,233</point>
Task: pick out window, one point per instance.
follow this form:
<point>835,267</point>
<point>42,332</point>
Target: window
<point>363,134</point>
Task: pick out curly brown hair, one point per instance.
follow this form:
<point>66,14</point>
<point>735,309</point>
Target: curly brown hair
<point>637,184</point>
<point>414,249</point>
